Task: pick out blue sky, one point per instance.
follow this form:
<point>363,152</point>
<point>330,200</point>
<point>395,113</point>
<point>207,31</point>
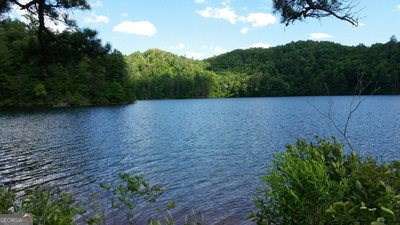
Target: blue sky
<point>202,28</point>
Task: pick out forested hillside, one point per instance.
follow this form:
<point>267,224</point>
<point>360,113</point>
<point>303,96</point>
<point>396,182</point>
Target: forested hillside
<point>314,68</point>
<point>79,70</point>
<point>157,74</point>
<point>295,69</point>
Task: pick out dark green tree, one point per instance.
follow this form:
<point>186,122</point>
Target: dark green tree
<point>293,10</point>
<point>393,39</point>
<point>81,70</point>
<point>40,10</point>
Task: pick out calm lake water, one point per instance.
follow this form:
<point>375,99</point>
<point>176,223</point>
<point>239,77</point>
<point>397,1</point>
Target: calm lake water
<point>209,154</point>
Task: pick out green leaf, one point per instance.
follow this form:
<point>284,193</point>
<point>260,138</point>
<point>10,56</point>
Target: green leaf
<point>387,211</point>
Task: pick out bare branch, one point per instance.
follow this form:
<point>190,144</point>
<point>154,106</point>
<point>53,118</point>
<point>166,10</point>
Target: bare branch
<point>354,105</point>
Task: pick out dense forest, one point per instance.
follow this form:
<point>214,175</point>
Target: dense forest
<point>41,67</point>
<point>80,70</point>
<point>295,69</point>
<point>314,68</point>
<point>156,74</point>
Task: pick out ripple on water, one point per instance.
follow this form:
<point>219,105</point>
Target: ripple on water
<point>208,154</point>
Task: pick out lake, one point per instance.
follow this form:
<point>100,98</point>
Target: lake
<point>208,154</point>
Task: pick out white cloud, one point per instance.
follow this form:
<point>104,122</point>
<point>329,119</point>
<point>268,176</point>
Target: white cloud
<point>141,28</point>
<point>124,14</point>
<point>244,30</point>
<point>224,13</point>
<point>199,1</point>
<point>219,50</point>
<point>319,36</point>
<point>179,46</point>
<point>227,13</point>
<point>398,7</point>
<point>195,55</point>
<point>205,52</point>
<point>260,19</point>
<point>56,26</point>
<point>93,18</point>
<point>260,45</point>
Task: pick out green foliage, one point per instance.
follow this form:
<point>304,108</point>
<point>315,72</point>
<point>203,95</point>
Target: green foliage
<point>131,189</point>
<point>296,69</point>
<point>319,184</point>
<point>313,68</point>
<point>230,84</point>
<point>309,183</point>
<point>80,70</point>
<point>157,74</point>
<point>47,206</point>
<point>129,192</point>
<point>7,199</point>
<point>40,90</point>
<point>50,207</point>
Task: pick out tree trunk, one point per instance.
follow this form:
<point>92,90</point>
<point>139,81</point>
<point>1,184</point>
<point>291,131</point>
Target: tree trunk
<point>42,40</point>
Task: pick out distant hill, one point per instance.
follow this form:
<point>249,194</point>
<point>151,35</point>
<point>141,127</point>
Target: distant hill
<point>295,69</point>
<point>158,74</point>
<point>319,68</point>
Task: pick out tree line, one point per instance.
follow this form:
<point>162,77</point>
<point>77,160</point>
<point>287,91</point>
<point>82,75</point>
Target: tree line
<point>79,69</point>
<point>40,67</point>
<point>296,69</point>
<point>314,68</point>
<point>82,71</point>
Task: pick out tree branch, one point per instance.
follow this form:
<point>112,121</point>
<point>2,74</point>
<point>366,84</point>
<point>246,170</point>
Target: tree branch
<point>24,6</point>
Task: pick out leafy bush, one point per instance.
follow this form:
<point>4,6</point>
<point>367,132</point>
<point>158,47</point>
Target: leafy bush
<point>127,194</point>
<point>7,198</point>
<point>132,188</point>
<point>50,207</point>
<point>318,184</point>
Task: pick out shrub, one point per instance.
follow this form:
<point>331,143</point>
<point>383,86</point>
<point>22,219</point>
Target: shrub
<point>7,198</point>
<point>317,184</point>
<point>50,207</point>
<point>129,192</point>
